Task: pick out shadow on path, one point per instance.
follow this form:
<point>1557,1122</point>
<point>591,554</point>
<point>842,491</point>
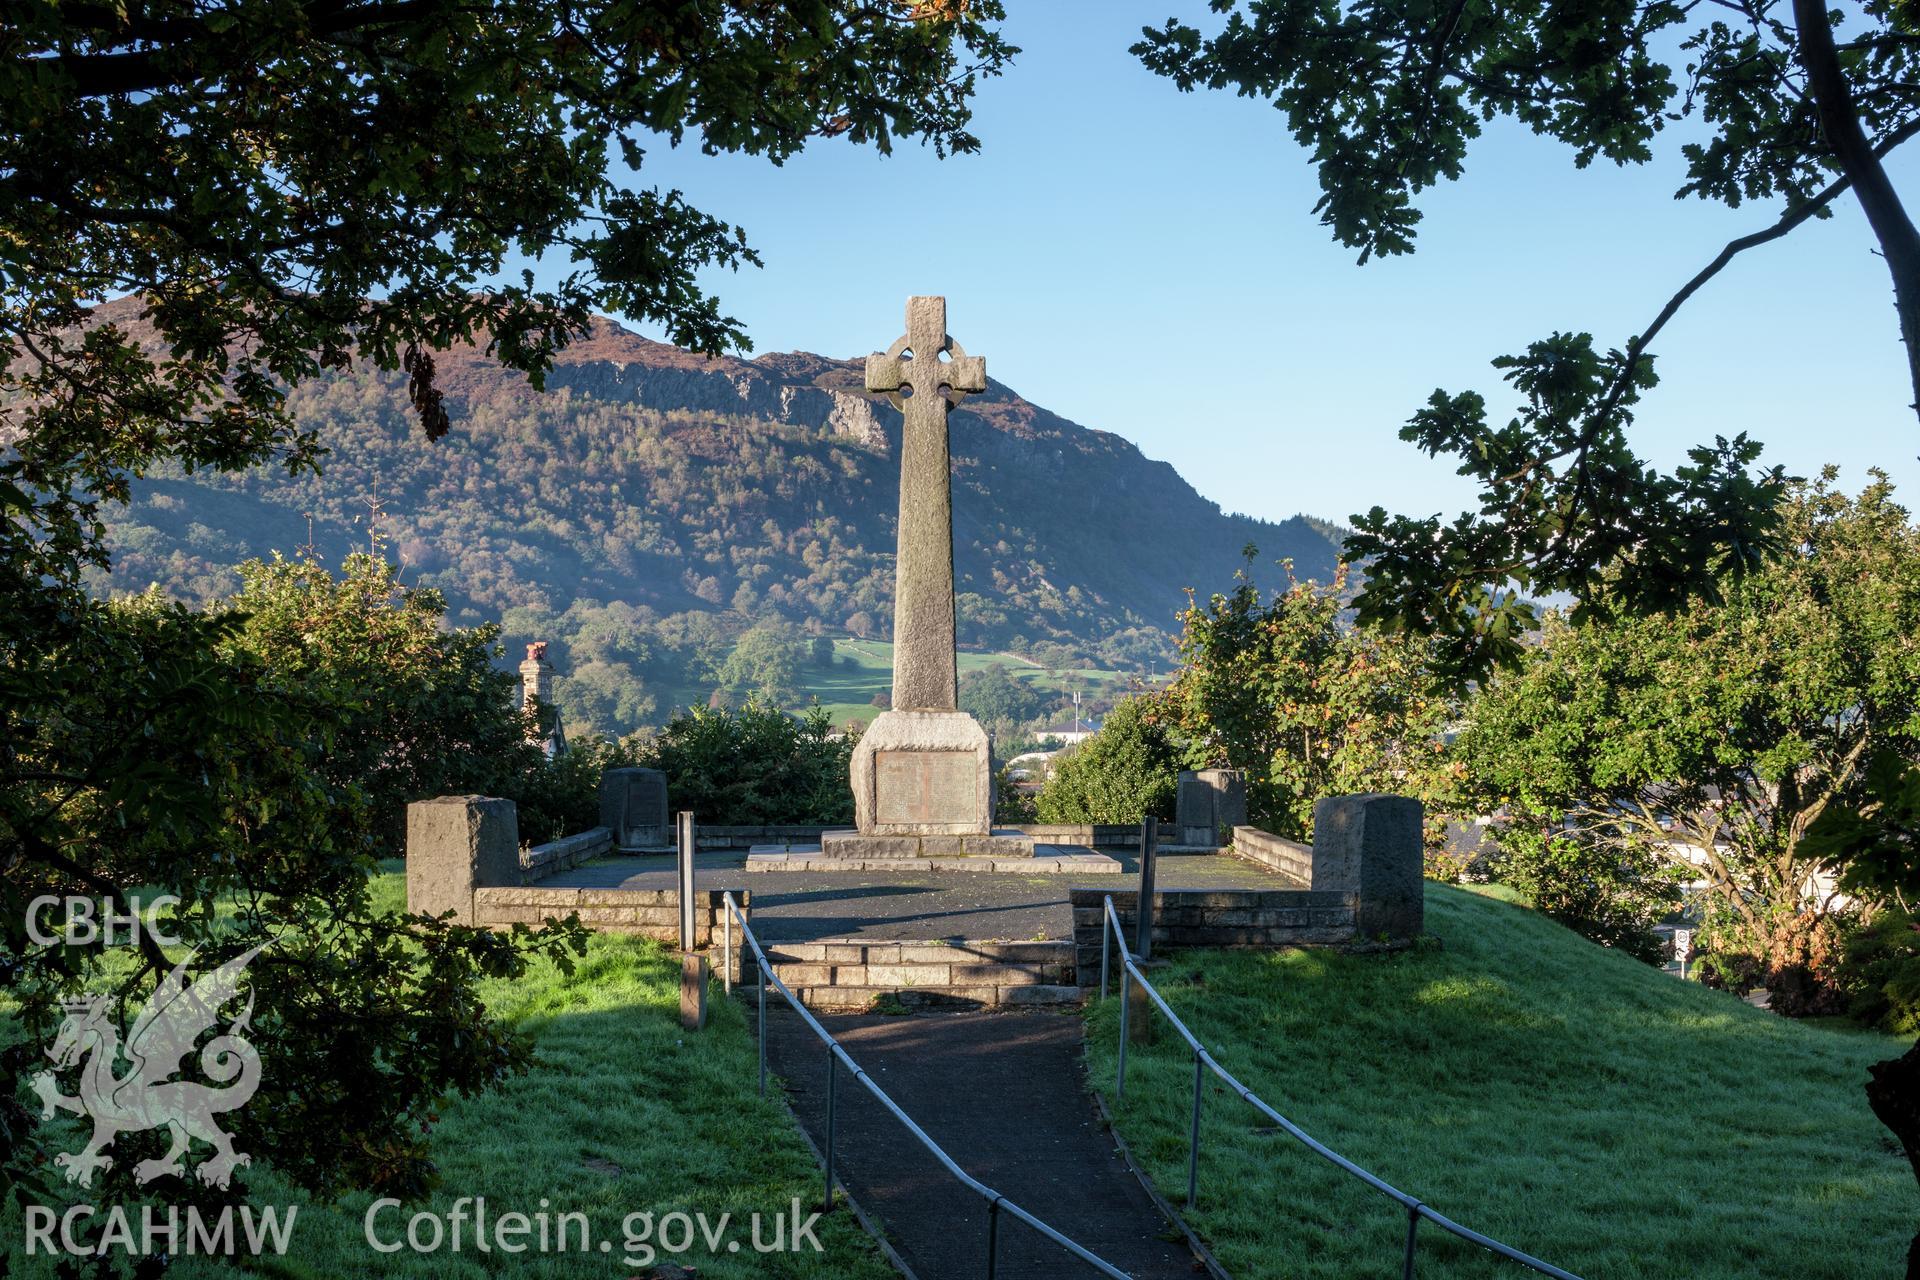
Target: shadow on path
<point>1002,1093</point>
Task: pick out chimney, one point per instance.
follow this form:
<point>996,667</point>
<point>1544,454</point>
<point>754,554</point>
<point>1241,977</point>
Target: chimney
<point>536,676</point>
<point>536,688</point>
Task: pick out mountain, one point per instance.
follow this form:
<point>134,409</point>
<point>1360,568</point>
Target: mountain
<point>654,500</point>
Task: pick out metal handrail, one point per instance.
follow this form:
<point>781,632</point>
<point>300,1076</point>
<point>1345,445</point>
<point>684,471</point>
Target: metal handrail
<point>1110,931</point>
<point>836,1053</point>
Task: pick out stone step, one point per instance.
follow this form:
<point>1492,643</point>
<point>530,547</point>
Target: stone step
<point>854,974</point>
<point>859,999</point>
<point>852,951</point>
<point>922,975</point>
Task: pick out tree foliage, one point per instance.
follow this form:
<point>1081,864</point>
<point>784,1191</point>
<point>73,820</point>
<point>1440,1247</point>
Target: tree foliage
<point>1309,705</point>
<point>161,749</point>
<point>1714,741</point>
<point>291,188</point>
<point>413,709</point>
<point>296,186</point>
<point>1880,972</point>
<point>1000,702</point>
<point>1873,844</point>
<point>1793,103</point>
<point>764,665</point>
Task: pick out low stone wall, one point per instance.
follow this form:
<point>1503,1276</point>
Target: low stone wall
<point>463,857</point>
<point>646,913</point>
<point>1217,918</point>
<point>714,839</point>
<point>718,839</point>
<point>543,860</point>
<point>1289,858</point>
<point>1358,886</point>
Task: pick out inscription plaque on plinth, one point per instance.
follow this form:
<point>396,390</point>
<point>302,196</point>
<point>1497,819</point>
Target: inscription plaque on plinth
<point>924,786</point>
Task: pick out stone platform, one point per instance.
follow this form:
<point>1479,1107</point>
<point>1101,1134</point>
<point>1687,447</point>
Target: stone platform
<point>1044,861</point>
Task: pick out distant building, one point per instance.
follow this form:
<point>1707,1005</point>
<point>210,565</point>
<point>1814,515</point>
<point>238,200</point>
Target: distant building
<point>1070,733</point>
<point>1031,766</point>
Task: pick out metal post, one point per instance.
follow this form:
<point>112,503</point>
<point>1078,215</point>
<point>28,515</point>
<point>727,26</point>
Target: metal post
<point>1193,1140</point>
<point>832,1073</point>
<point>726,956</point>
<point>1149,854</point>
<point>993,1236</point>
<point>685,825</point>
<point>757,968</point>
<point>1106,941</point>
<point>1413,1229</point>
<point>1126,994</point>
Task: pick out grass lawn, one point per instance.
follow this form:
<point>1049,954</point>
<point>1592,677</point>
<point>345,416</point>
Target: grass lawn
<point>625,1113</point>
<point>1547,1092</point>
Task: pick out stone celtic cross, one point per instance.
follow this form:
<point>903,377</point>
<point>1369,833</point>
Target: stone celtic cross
<point>925,373</point>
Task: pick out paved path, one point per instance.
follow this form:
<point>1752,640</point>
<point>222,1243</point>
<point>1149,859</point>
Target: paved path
<point>1002,1092</point>
<point>886,906</point>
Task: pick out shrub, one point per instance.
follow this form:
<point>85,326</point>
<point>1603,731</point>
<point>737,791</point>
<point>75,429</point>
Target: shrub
<point>1803,958</point>
<point>1795,956</point>
<point>1010,803</point>
<point>755,765</point>
<point>1127,770</point>
<point>1283,686</point>
<point>1734,971</point>
<point>1594,890</point>
<point>1880,972</point>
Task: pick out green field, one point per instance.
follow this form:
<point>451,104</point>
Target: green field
<point>863,668</point>
<point>625,1113</point>
<point>847,691</point>
<point>1560,1097</point>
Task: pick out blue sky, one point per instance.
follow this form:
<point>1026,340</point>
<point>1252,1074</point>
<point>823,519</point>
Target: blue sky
<point>1147,263</point>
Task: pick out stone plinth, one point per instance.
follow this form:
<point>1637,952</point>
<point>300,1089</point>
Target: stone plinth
<point>457,845</point>
<point>1209,804</point>
<point>1370,846</point>
<point>633,805</point>
<point>923,773</point>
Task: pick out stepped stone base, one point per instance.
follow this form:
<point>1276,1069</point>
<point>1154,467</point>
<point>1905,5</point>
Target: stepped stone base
<point>777,858</point>
<point>854,844</point>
